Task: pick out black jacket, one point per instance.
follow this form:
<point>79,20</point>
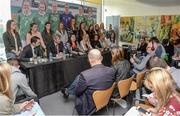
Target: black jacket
<point>9,41</point>
<point>52,48</point>
<point>27,53</point>
<point>99,77</point>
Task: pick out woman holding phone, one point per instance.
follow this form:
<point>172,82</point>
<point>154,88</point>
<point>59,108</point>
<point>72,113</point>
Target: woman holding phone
<point>7,106</point>
<point>161,83</point>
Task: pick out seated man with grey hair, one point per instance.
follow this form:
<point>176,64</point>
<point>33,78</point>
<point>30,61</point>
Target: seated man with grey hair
<point>55,47</point>
<point>98,77</point>
<point>159,62</point>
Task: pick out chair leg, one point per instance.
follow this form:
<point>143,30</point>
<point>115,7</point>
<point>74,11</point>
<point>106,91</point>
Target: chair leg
<point>107,109</point>
<point>114,103</point>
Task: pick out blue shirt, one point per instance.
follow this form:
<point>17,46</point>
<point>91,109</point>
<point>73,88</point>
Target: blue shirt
<point>66,19</point>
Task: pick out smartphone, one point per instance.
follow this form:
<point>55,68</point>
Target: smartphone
<point>29,104</point>
<point>142,110</point>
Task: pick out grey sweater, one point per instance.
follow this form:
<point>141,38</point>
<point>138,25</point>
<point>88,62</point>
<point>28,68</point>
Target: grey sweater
<point>19,84</point>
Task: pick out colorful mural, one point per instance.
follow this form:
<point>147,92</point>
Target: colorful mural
<point>164,27</point>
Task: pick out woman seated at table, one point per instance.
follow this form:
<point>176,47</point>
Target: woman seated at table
<point>85,43</point>
<point>56,47</point>
<point>7,106</point>
<point>34,32</point>
<point>74,46</point>
<point>176,55</point>
<point>161,83</point>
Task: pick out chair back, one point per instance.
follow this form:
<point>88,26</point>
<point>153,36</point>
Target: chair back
<point>101,97</point>
<point>124,86</point>
<point>139,79</point>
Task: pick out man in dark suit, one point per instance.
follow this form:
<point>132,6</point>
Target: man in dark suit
<point>99,77</point>
<point>56,46</point>
<point>32,50</point>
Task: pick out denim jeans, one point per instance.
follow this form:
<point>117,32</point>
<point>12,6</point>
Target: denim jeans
<point>71,88</point>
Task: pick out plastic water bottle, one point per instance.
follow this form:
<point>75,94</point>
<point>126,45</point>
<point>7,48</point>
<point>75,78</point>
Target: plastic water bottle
<point>64,54</point>
<point>50,57</point>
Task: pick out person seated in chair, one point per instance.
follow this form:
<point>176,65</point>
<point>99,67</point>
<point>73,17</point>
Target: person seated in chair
<point>56,46</point>
<point>32,50</point>
<point>20,87</point>
<point>98,77</point>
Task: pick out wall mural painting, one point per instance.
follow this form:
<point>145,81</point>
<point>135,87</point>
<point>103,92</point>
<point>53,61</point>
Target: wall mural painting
<point>164,27</point>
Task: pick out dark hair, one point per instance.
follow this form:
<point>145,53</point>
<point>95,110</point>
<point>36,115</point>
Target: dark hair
<point>177,42</point>
<point>34,39</point>
<point>8,26</point>
<point>154,40</point>
<point>155,61</point>
<point>75,22</point>
<point>80,25</point>
<point>113,37</point>
<point>59,26</point>
<point>165,41</point>
<point>70,42</point>
<point>45,28</point>
<point>11,60</point>
<point>31,25</point>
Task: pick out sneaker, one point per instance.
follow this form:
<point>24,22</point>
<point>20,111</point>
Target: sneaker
<point>65,93</point>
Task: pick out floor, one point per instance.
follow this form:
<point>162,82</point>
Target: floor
<point>55,104</point>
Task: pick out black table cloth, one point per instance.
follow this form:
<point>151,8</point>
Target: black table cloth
<point>47,78</point>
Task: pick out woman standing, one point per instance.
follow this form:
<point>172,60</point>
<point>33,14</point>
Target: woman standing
<point>7,106</point>
<point>62,32</point>
<point>34,32</point>
<point>47,33</point>
<point>12,40</point>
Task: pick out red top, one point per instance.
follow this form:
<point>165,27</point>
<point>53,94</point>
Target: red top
<point>172,108</point>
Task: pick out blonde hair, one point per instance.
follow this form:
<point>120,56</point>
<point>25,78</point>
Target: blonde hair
<point>117,54</point>
<point>161,83</point>
<point>5,72</point>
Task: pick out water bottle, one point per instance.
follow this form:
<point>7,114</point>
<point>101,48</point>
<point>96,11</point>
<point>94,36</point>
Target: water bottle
<point>50,57</point>
<point>64,54</point>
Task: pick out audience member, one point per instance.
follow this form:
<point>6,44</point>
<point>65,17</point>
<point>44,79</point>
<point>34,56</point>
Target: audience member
<point>96,29</point>
<point>140,63</point>
<point>54,17</point>
<point>24,19</point>
<point>42,16</point>
<point>103,41</point>
<point>95,43</point>
<point>142,46</point>
<point>80,16</point>
<point>32,50</point>
<point>7,106</point>
<point>120,65</point>
<point>72,29</point>
<point>85,43</point>
<point>56,46</point>
<point>66,17</point>
<point>157,46</point>
<point>11,40</point>
<point>91,33</point>
<point>81,31</point>
<point>47,33</point>
<point>19,84</point>
<point>158,62</point>
<point>112,40</point>
<point>161,83</point>
<point>34,32</point>
<point>177,49</point>
<point>99,77</point>
<point>110,31</point>
<point>62,32</point>
<point>169,48</point>
<point>101,28</point>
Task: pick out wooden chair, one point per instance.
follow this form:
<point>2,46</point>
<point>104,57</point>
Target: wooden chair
<point>123,87</point>
<point>101,97</point>
<point>137,82</point>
